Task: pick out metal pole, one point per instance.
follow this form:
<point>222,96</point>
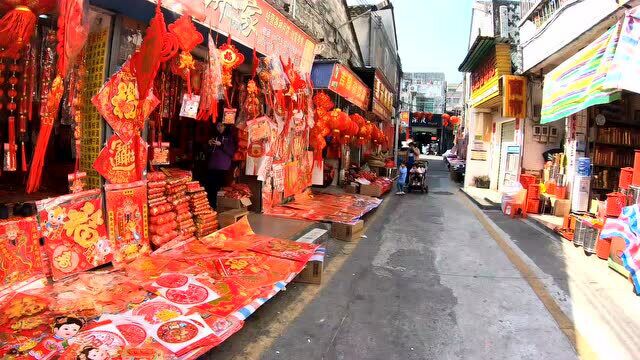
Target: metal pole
<point>396,139</point>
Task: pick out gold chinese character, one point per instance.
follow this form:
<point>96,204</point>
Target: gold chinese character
<point>248,19</point>
<point>124,157</point>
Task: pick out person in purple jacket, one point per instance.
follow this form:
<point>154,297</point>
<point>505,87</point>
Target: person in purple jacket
<point>221,149</point>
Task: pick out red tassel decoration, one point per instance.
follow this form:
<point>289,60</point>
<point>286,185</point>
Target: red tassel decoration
<point>16,29</point>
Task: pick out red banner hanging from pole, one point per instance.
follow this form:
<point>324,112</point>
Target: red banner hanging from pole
<point>253,23</point>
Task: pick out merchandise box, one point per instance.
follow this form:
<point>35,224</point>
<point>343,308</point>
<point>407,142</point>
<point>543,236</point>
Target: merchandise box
<point>229,217</point>
<point>371,190</point>
<point>347,232</point>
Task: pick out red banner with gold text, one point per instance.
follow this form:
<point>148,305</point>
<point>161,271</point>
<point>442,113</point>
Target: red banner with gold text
<point>253,23</point>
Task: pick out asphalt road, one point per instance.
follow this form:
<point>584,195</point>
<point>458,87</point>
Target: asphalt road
<point>428,282</point>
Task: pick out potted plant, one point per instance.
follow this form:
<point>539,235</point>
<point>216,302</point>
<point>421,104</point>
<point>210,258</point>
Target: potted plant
<point>482,182</point>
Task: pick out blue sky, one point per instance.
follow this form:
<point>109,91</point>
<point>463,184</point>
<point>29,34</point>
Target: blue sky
<point>433,35</point>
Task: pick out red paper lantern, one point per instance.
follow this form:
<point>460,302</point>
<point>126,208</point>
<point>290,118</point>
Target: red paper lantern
<point>455,120</point>
<point>446,117</point>
<point>322,101</point>
<point>19,23</point>
<point>429,116</point>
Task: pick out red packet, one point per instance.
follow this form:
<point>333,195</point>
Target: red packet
<point>19,252</point>
<point>229,116</point>
<point>75,236</point>
<point>121,161</point>
<point>128,220</point>
<point>286,249</point>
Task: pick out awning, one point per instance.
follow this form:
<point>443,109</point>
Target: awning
<point>581,81</point>
<point>341,80</point>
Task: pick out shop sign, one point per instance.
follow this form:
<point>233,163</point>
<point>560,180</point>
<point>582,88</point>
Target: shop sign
<point>382,99</point>
<point>483,73</point>
<point>485,78</point>
<point>253,23</point>
<point>346,84</point>
<point>513,149</point>
<point>480,155</point>
<point>404,118</point>
<point>514,99</point>
<point>435,121</point>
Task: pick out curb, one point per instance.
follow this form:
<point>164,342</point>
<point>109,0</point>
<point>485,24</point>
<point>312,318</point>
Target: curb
<point>478,204</point>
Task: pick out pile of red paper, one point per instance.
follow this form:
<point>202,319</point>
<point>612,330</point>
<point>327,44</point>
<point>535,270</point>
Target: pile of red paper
<point>175,303</point>
<point>340,208</point>
<point>237,191</point>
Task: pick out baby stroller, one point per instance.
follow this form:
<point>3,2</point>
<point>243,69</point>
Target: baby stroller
<point>418,177</point>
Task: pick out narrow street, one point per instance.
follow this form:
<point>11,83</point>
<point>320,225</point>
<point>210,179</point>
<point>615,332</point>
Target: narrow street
<point>428,282</point>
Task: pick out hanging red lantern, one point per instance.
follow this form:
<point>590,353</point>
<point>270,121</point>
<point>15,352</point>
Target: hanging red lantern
<point>322,101</point>
<point>429,116</point>
<point>455,120</point>
<point>446,117</point>
<point>18,24</point>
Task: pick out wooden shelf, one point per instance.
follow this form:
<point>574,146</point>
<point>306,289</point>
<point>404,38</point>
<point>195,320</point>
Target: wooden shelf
<point>601,189</point>
<point>608,166</point>
<point>614,145</point>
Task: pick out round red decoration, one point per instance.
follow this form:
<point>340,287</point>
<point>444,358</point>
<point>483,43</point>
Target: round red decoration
<point>133,333</point>
<point>172,281</point>
<point>192,295</point>
<point>175,332</point>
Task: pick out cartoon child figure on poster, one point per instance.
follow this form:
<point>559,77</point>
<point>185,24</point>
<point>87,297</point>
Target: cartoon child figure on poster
<point>64,329</point>
<point>55,221</point>
<point>93,353</point>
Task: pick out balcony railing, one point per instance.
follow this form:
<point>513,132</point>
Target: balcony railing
<point>540,11</point>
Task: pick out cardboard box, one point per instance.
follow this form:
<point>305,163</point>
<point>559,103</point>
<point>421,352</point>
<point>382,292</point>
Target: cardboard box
<point>371,190</point>
<point>346,232</point>
<point>311,274</point>
<point>351,189</point>
<point>225,203</point>
<point>231,217</point>
<point>562,208</point>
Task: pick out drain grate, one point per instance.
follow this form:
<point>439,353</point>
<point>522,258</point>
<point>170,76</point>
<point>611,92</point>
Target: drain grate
<point>441,193</point>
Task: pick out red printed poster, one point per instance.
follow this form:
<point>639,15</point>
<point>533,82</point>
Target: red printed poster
<point>75,236</point>
<point>119,103</point>
<point>127,220</point>
<point>19,251</point>
<point>278,177</point>
<point>291,171</point>
<point>122,162</point>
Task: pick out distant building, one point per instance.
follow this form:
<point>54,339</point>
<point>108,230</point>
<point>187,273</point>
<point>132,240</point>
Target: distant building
<point>455,101</point>
<point>424,92</point>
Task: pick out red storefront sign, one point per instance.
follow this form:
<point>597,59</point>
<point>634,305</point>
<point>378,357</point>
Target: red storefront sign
<point>346,84</point>
<point>253,23</point>
<point>514,99</point>
<point>382,99</point>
